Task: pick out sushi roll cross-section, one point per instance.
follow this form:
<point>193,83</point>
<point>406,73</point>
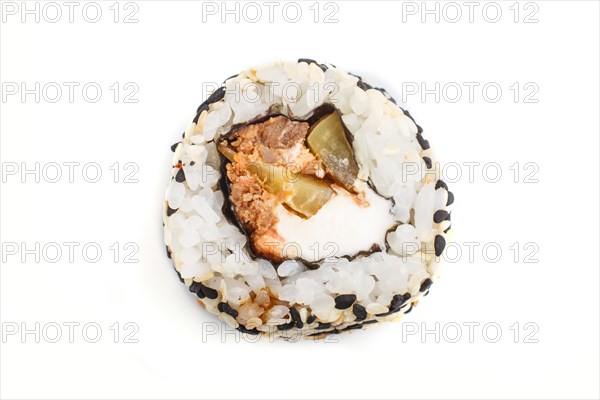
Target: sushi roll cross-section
<point>305,212</point>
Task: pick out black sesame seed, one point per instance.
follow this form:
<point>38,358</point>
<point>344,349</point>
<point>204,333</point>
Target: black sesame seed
<point>370,322</point>
<point>447,229</point>
<point>226,308</point>
<point>216,96</point>
<point>310,265</point>
<point>439,243</point>
<point>174,146</point>
<point>243,329</point>
<point>364,85</point>
<point>344,301</point>
<point>360,312</point>
<point>450,198</point>
<point>323,325</point>
<point>296,317</point>
<point>168,251</point>
<point>425,285</point>
<point>439,216</point>
<point>448,217</point>
<point>210,292</point>
<point>180,177</point>
<point>171,211</point>
<point>398,301</point>
<point>195,287</point>
<point>200,294</point>
<point>423,142</point>
<point>285,327</point>
<point>441,184</point>
<point>409,310</point>
<point>192,163</point>
<point>428,162</point>
<point>311,319</point>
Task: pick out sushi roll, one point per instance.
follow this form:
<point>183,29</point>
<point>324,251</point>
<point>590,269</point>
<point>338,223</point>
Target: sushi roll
<point>304,202</point>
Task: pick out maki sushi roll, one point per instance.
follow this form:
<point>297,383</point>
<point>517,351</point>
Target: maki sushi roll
<point>304,202</point>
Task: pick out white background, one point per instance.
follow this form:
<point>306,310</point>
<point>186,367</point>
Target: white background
<point>169,53</point>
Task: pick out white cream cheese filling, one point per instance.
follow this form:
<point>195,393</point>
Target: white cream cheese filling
<point>342,227</point>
